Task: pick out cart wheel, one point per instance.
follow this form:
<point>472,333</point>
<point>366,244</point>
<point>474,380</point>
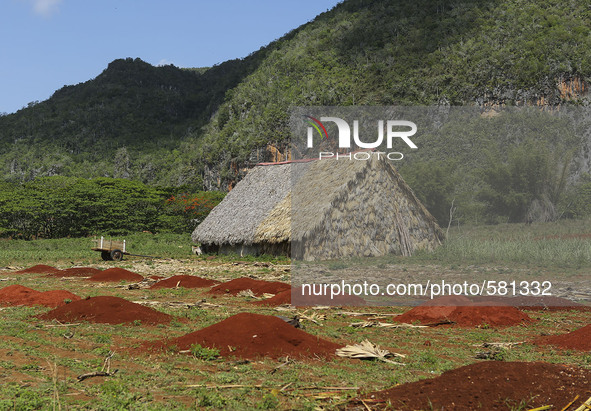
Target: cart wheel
<point>106,255</point>
<point>116,255</point>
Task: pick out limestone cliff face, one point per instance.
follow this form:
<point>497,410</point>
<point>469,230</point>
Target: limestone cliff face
<point>573,88</point>
<point>549,93</point>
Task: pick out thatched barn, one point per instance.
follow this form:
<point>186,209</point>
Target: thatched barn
<point>320,210</point>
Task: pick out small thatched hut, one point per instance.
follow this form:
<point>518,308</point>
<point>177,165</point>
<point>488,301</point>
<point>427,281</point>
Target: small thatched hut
<point>326,209</point>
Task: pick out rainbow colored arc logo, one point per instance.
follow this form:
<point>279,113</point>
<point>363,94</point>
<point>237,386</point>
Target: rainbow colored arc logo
<point>317,125</point>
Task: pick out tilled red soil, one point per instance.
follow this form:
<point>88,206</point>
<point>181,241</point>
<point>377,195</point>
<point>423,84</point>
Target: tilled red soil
<point>258,287</point>
<point>493,385</point>
<point>476,314</point>
<point>576,340</point>
<point>39,269</point>
<point>76,272</point>
<point>109,310</point>
<point>116,274</point>
<point>252,336</point>
<point>284,297</point>
<point>20,295</point>
<point>186,281</point>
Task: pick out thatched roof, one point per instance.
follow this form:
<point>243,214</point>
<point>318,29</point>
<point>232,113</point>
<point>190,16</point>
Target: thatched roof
<point>236,218</point>
<point>342,202</point>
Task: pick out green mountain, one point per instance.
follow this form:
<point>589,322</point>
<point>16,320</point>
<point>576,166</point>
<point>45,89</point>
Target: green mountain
<point>367,52</point>
<point>204,128</point>
<point>127,122</point>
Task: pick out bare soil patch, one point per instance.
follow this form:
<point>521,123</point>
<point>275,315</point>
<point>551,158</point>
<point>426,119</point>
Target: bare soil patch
<point>490,386</point>
<point>185,281</point>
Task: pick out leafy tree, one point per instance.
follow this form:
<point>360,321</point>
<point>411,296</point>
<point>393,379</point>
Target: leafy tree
<point>52,207</point>
<point>434,184</point>
<point>527,187</point>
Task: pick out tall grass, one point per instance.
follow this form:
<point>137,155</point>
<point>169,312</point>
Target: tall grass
<point>566,243</point>
<point>574,253</point>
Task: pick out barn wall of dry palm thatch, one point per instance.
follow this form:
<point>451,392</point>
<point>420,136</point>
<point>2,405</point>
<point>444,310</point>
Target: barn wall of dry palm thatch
<point>325,209</point>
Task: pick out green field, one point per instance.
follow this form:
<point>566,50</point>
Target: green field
<point>40,360</point>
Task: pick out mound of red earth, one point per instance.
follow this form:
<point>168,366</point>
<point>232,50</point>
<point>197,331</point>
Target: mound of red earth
<point>76,272</point>
<point>493,385</point>
<point>252,336</point>
<point>576,340</point>
<point>186,281</point>
<point>258,287</point>
<point>116,274</point>
<point>465,314</point>
<point>20,295</point>
<point>39,269</point>
<point>284,297</point>
<point>109,310</point>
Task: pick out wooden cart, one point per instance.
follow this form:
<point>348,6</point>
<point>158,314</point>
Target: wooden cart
<point>110,249</point>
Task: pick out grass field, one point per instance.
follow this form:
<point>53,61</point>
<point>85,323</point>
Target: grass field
<point>561,244</point>
<point>40,360</point>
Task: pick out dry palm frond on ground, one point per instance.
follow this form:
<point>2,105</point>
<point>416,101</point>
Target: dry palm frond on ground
<point>366,350</point>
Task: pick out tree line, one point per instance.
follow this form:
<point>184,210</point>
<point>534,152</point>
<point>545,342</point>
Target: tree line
<point>54,207</point>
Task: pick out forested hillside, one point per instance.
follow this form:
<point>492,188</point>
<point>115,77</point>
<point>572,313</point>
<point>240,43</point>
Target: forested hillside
<point>203,128</point>
<point>367,52</point>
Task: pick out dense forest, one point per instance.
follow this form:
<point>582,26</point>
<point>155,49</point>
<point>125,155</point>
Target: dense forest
<point>203,128</point>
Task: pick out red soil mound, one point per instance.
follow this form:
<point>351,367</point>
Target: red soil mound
<point>492,385</point>
<point>39,269</point>
<point>258,287</point>
<point>253,336</point>
<point>426,314</point>
<point>19,295</point>
<point>464,315</point>
<point>116,274</point>
<point>110,310</point>
<point>284,297</point>
<point>472,316</point>
<point>577,340</point>
<point>186,281</point>
<point>15,294</point>
<point>76,272</point>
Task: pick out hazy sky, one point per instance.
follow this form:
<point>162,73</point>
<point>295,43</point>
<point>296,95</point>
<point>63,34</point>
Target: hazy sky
<point>47,44</point>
